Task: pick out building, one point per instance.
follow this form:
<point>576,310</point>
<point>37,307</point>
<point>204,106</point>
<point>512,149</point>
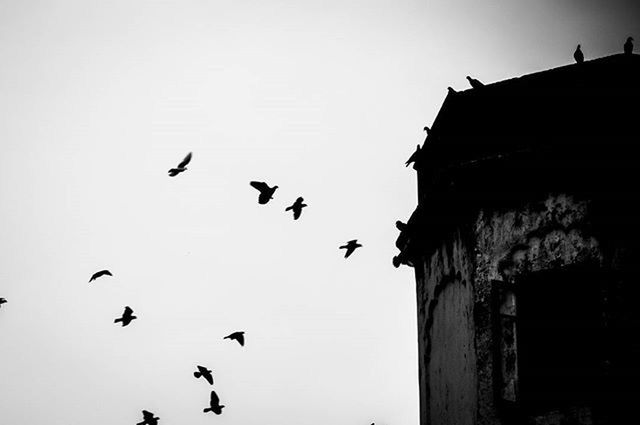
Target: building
<point>525,245</point>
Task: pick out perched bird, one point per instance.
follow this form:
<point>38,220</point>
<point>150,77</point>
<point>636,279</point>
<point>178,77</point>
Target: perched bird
<point>127,317</point>
<point>148,419</point>
<point>578,55</point>
<point>297,208</point>
<point>628,46</point>
<point>451,90</point>
<point>427,129</point>
<point>476,84</point>
<point>214,404</point>
<point>350,247</point>
<point>2,301</point>
<point>99,274</point>
<point>414,156</point>
<point>238,336</point>
<point>181,167</point>
<point>205,373</point>
<point>400,225</point>
<point>266,192</point>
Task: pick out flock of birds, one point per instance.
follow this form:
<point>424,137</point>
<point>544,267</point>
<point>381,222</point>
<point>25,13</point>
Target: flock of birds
<point>266,194</point>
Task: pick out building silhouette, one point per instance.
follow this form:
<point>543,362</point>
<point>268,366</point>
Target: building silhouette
<point>525,246</point>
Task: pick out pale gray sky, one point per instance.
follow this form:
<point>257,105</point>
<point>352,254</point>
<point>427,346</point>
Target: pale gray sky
<point>325,99</point>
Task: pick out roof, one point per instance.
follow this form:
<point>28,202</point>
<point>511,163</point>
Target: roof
<point>567,104</point>
<point>586,111</point>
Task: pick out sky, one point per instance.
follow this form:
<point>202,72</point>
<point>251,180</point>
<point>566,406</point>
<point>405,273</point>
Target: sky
<point>324,99</point>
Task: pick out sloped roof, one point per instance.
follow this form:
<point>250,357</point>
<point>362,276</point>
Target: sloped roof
<point>573,104</point>
<point>580,117</point>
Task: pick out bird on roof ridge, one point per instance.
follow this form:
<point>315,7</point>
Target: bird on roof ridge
<point>476,84</point>
<point>628,46</point>
<point>578,55</point>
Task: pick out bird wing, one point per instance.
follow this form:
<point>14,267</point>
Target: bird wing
<point>240,339</point>
<point>352,241</point>
<point>261,186</point>
<point>350,250</point>
<point>147,415</point>
<point>215,401</point>
<point>289,207</point>
<point>185,161</point>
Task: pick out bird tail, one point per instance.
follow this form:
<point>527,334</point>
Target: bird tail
<point>197,374</point>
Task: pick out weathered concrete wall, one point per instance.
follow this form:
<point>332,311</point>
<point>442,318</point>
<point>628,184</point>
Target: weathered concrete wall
<point>546,234</point>
<point>446,336</point>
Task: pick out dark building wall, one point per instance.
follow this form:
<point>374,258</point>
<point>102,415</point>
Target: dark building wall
<point>525,248</point>
<point>448,376</point>
<point>552,233</point>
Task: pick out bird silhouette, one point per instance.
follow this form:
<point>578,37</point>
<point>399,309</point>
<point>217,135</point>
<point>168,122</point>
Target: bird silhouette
<point>127,317</point>
<point>266,192</point>
<point>628,46</point>
<point>205,373</point>
<point>181,167</point>
<point>476,84</point>
<point>427,129</point>
<point>214,404</point>
<point>238,336</point>
<point>350,247</point>
<point>297,208</point>
<point>414,156</point>
<point>99,274</point>
<point>2,301</point>
<point>148,419</point>
<point>578,55</point>
<point>451,90</point>
<point>400,225</point>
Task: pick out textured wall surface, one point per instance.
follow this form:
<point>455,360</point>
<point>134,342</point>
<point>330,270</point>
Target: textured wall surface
<point>551,233</point>
<point>447,355</point>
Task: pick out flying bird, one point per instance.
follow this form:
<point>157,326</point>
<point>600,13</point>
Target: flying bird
<point>205,373</point>
<point>578,55</point>
<point>2,301</point>
<point>476,84</point>
<point>350,247</point>
<point>400,225</point>
<point>238,336</point>
<point>297,208</point>
<point>181,167</point>
<point>148,419</point>
<point>99,274</point>
<point>266,192</point>
<point>214,404</point>
<point>628,46</point>
<point>127,317</point>
<point>414,156</point>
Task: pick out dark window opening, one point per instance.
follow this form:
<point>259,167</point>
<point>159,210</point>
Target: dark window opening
<point>559,325</point>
